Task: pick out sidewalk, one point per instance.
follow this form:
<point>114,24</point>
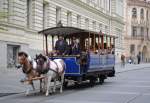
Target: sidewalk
<point>128,67</point>
<point>10,78</point>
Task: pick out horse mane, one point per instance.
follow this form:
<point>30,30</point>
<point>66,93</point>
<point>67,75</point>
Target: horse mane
<point>41,56</point>
<point>23,53</point>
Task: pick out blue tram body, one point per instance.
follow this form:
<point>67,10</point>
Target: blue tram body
<point>95,63</point>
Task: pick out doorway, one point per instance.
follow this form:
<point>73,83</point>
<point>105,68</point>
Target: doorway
<point>12,51</point>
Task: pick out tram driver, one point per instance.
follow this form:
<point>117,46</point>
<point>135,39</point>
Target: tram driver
<point>61,46</point>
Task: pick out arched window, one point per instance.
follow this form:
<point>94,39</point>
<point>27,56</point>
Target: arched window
<point>142,13</point>
<point>147,15</point>
<point>134,13</point>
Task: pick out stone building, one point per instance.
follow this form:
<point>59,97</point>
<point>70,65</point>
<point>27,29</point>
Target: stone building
<point>27,17</point>
<point>137,37</point>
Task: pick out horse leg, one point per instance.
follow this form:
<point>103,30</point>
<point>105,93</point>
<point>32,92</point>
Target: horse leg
<point>32,86</point>
<point>40,85</point>
<point>45,84</point>
<point>54,88</point>
<point>49,78</point>
<point>28,88</point>
<point>62,81</point>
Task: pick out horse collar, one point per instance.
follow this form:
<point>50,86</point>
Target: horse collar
<point>27,72</point>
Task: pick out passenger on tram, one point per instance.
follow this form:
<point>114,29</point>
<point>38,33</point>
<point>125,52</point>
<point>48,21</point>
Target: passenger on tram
<point>112,50</point>
<point>61,46</point>
<point>75,47</point>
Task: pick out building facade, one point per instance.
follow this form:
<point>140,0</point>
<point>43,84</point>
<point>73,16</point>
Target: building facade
<point>137,37</point>
<point>27,17</point>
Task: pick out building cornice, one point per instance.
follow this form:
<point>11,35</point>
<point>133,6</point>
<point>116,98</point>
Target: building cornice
<point>114,17</point>
<point>138,3</point>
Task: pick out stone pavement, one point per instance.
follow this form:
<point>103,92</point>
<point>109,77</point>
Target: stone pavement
<point>129,67</point>
<point>10,78</point>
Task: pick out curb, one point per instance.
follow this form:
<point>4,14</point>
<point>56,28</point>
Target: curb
<point>131,70</point>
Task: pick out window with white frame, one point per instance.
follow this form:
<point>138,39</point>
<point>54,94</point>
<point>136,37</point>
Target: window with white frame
<point>119,7</point>
<point>78,21</point>
<point>142,13</point>
<point>69,18</point>
<point>134,13</point>
<point>134,31</point>
<point>100,27</point>
<point>142,31</point>
<point>58,14</point>
<point>119,39</point>
<point>108,5</point>
<point>100,3</point>
<point>29,11</point>
<point>87,23</point>
<point>147,15</point>
<point>147,33</point>
<point>45,8</point>
<point>132,48</point>
<point>106,29</point>
<point>94,25</point>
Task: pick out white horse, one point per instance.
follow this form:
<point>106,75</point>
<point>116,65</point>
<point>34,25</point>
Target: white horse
<point>56,70</point>
<point>50,69</point>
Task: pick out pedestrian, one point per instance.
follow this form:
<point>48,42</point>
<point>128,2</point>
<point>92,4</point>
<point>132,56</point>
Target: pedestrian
<point>122,60</point>
<point>130,60</point>
<point>139,58</point>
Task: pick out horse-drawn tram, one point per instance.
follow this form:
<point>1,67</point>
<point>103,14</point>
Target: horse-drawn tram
<point>92,59</point>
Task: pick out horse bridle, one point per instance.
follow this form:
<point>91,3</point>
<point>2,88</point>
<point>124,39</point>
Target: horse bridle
<point>26,71</point>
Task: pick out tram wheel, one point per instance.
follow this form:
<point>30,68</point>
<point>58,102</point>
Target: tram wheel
<point>92,81</point>
<point>65,84</point>
<point>102,79</point>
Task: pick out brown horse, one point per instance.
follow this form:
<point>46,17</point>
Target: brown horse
<point>27,68</point>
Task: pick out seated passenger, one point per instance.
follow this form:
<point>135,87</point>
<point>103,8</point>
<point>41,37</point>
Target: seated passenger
<point>75,48</point>
<point>61,46</point>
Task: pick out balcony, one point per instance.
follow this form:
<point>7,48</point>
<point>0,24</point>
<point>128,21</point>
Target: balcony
<point>137,37</point>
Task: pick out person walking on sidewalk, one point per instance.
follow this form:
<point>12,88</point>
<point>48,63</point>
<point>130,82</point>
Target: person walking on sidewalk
<point>122,60</point>
<point>139,57</point>
<point>130,60</point>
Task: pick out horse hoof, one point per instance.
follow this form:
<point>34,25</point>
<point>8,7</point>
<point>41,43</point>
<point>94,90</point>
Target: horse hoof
<point>26,94</point>
<point>47,94</point>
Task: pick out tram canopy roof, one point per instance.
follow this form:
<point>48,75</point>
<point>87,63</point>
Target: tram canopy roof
<point>67,31</point>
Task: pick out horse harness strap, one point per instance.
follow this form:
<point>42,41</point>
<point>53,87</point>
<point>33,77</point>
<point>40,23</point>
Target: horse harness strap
<point>56,68</point>
<point>27,72</point>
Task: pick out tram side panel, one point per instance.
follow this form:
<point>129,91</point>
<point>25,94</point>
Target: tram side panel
<point>72,66</point>
<point>101,64</point>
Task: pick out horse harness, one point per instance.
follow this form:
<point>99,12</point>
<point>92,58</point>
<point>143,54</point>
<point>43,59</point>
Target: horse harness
<point>56,68</point>
<point>26,72</point>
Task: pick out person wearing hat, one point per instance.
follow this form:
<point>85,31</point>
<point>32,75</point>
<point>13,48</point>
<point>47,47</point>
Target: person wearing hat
<point>61,46</point>
<point>75,48</point>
